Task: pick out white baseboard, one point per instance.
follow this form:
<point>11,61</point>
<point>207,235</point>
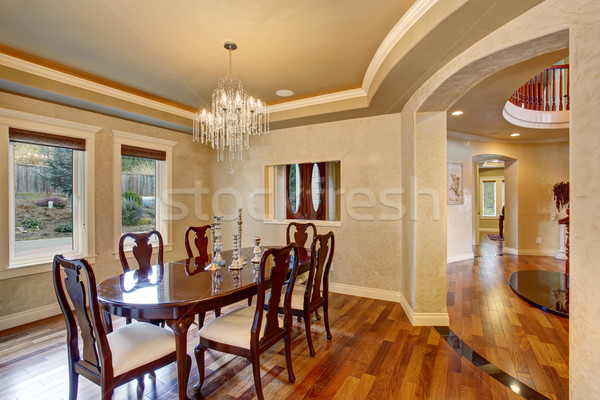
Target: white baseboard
<point>416,319</point>
<point>25,317</point>
<point>460,257</point>
<point>529,252</point>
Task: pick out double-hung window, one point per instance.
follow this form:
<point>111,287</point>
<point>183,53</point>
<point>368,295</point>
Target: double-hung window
<point>47,207</point>
<point>142,184</point>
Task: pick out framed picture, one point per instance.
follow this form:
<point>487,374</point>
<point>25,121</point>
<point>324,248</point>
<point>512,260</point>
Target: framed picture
<point>455,183</point>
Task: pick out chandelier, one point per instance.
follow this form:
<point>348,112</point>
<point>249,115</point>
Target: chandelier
<point>234,117</point>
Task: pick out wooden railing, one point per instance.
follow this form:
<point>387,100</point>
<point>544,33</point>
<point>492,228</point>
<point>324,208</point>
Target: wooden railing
<point>547,91</point>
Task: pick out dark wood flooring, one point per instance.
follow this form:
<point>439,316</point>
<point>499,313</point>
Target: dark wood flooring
<point>375,352</point>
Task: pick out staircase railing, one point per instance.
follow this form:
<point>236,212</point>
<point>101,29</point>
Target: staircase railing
<point>547,91</point>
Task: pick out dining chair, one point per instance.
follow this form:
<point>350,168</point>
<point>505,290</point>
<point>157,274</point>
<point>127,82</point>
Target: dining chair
<point>142,252</point>
<point>200,241</point>
<point>249,331</point>
<point>300,234</point>
<point>108,359</point>
<point>142,249</point>
<point>308,299</point>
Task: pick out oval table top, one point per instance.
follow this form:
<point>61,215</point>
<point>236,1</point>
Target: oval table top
<point>180,283</point>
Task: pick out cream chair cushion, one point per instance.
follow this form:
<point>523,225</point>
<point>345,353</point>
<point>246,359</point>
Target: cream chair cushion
<point>137,344</point>
<point>234,327</point>
<point>297,297</point>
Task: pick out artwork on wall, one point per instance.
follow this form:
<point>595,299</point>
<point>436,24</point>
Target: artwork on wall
<point>455,183</point>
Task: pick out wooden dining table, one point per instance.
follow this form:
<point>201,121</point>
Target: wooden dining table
<point>179,290</point>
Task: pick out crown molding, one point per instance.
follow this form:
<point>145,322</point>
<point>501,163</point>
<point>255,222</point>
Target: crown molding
<point>318,100</point>
<point>414,13</point>
<point>48,73</point>
<point>469,136</point>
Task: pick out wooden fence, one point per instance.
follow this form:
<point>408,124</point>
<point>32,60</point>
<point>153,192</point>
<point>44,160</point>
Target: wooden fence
<point>141,184</point>
<point>32,179</point>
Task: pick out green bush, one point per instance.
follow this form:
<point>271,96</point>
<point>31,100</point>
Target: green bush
<point>146,221</point>
<point>132,196</point>
<point>33,223</point>
<point>131,212</point>
<point>64,227</point>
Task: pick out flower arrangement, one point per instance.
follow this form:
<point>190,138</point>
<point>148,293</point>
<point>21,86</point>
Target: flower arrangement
<point>561,194</point>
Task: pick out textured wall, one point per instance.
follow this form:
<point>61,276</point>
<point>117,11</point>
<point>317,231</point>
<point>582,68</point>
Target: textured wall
<point>369,239</point>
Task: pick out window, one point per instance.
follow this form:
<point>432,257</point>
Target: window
<point>139,180</point>
<point>304,191</point>
<point>47,196</point>
<point>142,185</point>
<point>492,196</point>
<point>488,197</point>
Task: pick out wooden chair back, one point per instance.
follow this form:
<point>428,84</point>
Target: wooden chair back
<point>300,234</point>
<point>317,285</point>
<point>79,286</point>
<point>201,240</point>
<point>142,249</point>
<point>285,268</point>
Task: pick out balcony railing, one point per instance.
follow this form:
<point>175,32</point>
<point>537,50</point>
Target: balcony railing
<point>547,91</point>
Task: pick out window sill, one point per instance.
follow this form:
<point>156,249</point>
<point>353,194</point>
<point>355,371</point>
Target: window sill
<point>303,221</point>
<point>129,254</point>
<point>33,268</point>
<point>496,218</point>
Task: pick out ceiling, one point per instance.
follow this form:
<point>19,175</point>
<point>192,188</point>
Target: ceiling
<point>158,62</point>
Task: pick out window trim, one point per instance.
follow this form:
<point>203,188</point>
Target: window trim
<point>54,126</point>
<point>164,180</point>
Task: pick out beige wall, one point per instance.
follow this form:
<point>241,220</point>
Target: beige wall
<point>540,166</point>
<point>368,237</point>
<point>190,165</point>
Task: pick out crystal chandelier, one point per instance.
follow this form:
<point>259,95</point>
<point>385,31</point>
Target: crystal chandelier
<point>234,117</point>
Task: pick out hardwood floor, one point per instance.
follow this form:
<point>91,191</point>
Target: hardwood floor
<point>375,352</point>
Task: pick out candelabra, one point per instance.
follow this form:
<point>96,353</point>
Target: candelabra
<point>239,222</point>
<point>236,255</point>
<point>218,260</point>
<point>237,278</point>
<point>212,266</point>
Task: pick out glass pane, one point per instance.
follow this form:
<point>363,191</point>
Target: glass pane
<point>43,199</point>
<point>315,187</point>
<point>138,194</point>
<point>489,199</point>
<point>294,187</point>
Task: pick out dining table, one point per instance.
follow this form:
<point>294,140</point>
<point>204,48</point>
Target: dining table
<point>179,290</point>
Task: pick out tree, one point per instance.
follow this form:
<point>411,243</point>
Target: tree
<point>60,171</point>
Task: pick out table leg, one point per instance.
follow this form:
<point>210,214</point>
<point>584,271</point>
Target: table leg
<point>180,328</point>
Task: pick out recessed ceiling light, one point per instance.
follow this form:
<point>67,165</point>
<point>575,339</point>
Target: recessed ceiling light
<point>457,112</point>
<point>284,93</point>
<point>515,134</point>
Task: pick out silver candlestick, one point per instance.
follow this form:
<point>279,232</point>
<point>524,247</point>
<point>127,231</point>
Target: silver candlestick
<point>236,255</point>
<point>237,278</point>
<point>257,250</point>
<point>218,243</point>
<point>239,221</point>
<point>212,266</point>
